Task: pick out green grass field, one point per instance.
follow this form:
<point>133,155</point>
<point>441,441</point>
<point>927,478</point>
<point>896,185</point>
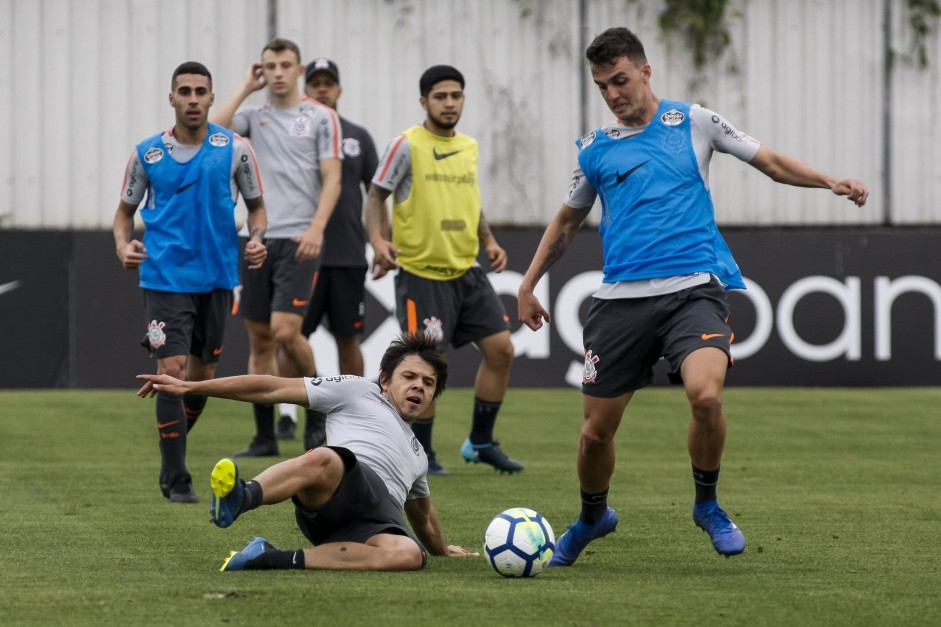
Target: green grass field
<point>838,493</point>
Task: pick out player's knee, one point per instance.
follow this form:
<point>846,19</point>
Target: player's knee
<point>500,355</point>
<point>322,465</point>
<point>595,435</point>
<point>706,405</point>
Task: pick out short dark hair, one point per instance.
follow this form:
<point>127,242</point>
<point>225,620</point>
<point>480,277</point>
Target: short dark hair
<point>425,348</point>
<point>614,43</point>
<point>190,67</point>
<point>280,44</point>
<point>437,73</point>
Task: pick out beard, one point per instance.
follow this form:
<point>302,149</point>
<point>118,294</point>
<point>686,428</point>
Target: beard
<point>444,124</point>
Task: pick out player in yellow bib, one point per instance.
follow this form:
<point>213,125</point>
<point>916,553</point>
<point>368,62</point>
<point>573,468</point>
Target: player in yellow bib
<point>438,228</point>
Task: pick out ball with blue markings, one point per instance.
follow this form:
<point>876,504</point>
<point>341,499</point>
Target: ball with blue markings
<point>519,543</point>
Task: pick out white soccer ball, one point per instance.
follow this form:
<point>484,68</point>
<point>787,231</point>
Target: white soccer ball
<point>519,543</point>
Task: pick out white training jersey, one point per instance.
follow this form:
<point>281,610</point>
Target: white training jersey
<point>361,418</point>
<point>709,132</point>
<point>290,144</point>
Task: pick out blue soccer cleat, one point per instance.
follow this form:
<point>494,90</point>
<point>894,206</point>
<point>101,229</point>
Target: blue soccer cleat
<point>238,560</point>
<point>574,541</point>
<point>227,493</point>
<point>489,453</point>
<point>726,537</point>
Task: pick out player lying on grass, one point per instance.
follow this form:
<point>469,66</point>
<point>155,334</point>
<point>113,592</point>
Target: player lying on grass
<point>349,494</point>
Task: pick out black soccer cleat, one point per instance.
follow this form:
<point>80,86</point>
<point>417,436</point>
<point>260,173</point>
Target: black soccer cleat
<point>489,453</point>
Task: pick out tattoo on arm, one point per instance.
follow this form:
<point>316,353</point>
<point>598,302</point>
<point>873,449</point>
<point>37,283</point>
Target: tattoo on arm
<point>555,252</point>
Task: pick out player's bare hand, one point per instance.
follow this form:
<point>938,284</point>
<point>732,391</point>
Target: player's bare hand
<point>383,257</point>
<point>255,253</point>
<point>531,312</point>
<point>853,190</point>
<point>459,551</point>
<point>255,78</point>
<point>309,244</point>
<point>131,254</point>
<point>497,256</point>
<point>160,383</point>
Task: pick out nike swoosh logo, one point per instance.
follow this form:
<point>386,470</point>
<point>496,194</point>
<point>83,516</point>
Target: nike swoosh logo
<point>9,287</point>
<point>297,302</point>
<point>217,351</point>
<point>623,177</point>
<point>709,336</point>
<point>161,425</point>
<point>185,187</point>
<point>443,155</point>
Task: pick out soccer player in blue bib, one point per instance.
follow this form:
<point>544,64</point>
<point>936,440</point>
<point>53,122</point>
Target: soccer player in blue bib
<point>188,260</point>
<point>666,270</point>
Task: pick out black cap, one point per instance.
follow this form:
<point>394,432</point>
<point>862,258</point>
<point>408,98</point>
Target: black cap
<point>323,64</point>
<point>437,73</point>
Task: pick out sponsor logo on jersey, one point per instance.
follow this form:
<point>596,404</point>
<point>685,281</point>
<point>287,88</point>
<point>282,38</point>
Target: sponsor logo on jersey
<point>443,155</point>
<point>153,155</point>
<point>219,139</point>
<point>586,139</point>
<point>623,177</point>
<point>672,117</point>
<point>613,133</point>
<point>351,147</point>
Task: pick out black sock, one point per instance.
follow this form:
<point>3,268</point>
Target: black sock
<point>485,415</point>
<point>193,406</point>
<point>705,481</point>
<point>252,496</point>
<point>264,421</point>
<point>171,424</point>
<point>422,430</point>
<point>275,559</point>
<point>593,507</point>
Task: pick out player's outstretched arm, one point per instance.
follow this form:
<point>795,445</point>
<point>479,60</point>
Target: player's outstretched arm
<point>789,170</point>
<point>253,388</point>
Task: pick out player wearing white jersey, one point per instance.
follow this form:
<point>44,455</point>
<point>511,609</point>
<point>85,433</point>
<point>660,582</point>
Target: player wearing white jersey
<point>348,495</point>
<point>297,141</point>
<point>666,269</point>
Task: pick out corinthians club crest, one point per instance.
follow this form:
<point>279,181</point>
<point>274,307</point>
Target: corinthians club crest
<point>590,373</point>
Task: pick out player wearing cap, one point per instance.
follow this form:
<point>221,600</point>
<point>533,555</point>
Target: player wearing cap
<point>438,228</point>
<point>297,141</point>
<point>339,292</point>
